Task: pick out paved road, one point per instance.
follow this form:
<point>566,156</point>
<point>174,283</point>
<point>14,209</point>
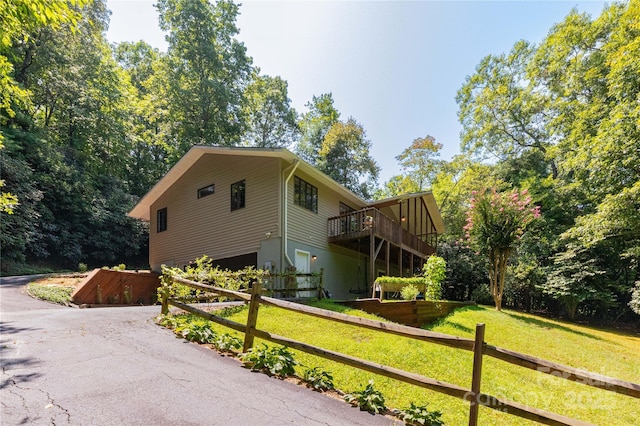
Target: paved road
<point>114,366</point>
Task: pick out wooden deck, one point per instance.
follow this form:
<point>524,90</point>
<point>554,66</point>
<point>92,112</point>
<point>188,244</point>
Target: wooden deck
<point>345,229</point>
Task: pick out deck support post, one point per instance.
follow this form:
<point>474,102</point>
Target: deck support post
<point>372,260</point>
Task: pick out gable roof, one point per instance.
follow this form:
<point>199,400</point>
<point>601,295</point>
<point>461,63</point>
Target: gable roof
<point>142,209</point>
<point>391,207</point>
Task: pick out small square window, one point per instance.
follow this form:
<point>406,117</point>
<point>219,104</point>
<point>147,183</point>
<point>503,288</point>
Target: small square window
<point>161,219</point>
<point>207,190</point>
<point>237,195</point>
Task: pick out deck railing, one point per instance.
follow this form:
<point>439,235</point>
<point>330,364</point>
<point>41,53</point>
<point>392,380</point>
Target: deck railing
<point>364,222</point>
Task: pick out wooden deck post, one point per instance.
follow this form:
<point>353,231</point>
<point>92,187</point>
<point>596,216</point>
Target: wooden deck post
<point>252,318</point>
<point>372,261</point>
<point>478,347</point>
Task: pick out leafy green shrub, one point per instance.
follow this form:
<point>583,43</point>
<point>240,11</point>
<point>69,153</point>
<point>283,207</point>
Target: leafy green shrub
<point>169,321</point>
<point>276,361</point>
<point>203,271</point>
<point>367,399</point>
<point>199,332</point>
<point>434,272</point>
<point>318,379</point>
<point>409,292</point>
<point>420,415</point>
<point>82,267</point>
<point>227,343</point>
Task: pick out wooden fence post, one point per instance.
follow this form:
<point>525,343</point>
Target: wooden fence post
<point>252,318</point>
<point>478,347</point>
<point>165,300</point>
<point>321,284</point>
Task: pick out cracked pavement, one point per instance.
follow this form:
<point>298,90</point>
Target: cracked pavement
<point>114,366</point>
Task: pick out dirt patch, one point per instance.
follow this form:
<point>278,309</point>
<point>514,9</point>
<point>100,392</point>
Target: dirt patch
<point>71,280</point>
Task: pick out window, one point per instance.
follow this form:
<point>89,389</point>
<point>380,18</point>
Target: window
<point>237,195</point>
<point>161,219</point>
<point>305,195</point>
<point>207,190</point>
<point>345,209</point>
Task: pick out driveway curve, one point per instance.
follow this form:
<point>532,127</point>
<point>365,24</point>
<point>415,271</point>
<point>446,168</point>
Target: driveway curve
<point>114,366</point>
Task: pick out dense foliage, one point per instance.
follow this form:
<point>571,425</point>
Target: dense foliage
<point>561,120</point>
<point>89,127</point>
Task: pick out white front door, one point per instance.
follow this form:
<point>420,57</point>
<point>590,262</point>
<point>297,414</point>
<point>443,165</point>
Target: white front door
<point>303,265</point>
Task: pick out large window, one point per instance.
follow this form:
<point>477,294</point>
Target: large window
<point>305,195</point>
<point>237,195</point>
<point>161,220</point>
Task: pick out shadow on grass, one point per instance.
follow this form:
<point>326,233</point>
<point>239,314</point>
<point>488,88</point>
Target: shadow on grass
<point>444,321</point>
<point>329,305</point>
<point>550,325</point>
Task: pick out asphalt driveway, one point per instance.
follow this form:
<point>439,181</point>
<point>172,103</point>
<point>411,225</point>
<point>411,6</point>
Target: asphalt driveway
<point>114,366</point>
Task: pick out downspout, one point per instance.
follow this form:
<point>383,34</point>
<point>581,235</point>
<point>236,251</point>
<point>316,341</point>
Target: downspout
<point>284,244</point>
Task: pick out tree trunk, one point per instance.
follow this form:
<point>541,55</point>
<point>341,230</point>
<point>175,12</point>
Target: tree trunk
<point>497,274</point>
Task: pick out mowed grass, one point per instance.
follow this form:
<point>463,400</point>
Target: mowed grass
<point>599,351</point>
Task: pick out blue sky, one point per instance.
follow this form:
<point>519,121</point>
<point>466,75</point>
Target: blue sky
<point>393,66</point>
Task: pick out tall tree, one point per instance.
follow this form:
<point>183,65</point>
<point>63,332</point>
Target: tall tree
<point>501,111</point>
<point>271,120</point>
<point>148,159</point>
<point>207,72</point>
<point>314,126</point>
<point>70,146</point>
<point>344,155</point>
<point>19,20</point>
<point>420,161</point>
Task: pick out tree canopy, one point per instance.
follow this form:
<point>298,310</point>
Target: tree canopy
<point>88,128</point>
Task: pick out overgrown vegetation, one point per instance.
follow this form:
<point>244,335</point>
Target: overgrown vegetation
<point>195,329</point>
<point>429,283</point>
<point>203,271</point>
<point>51,293</point>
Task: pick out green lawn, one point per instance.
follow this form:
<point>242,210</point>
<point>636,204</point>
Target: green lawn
<point>605,352</point>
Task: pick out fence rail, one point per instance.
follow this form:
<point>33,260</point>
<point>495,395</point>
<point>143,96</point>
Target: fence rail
<point>480,348</point>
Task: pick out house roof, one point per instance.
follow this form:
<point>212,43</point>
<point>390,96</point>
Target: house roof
<point>392,206</point>
<point>142,210</point>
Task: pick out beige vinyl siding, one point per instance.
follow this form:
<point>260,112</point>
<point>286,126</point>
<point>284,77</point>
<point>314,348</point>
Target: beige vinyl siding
<point>306,226</point>
<point>207,225</point>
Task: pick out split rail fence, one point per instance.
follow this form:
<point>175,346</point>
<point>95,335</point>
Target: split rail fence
<point>477,345</point>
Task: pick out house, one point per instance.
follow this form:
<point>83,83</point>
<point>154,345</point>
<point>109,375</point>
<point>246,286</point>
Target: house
<point>268,208</point>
